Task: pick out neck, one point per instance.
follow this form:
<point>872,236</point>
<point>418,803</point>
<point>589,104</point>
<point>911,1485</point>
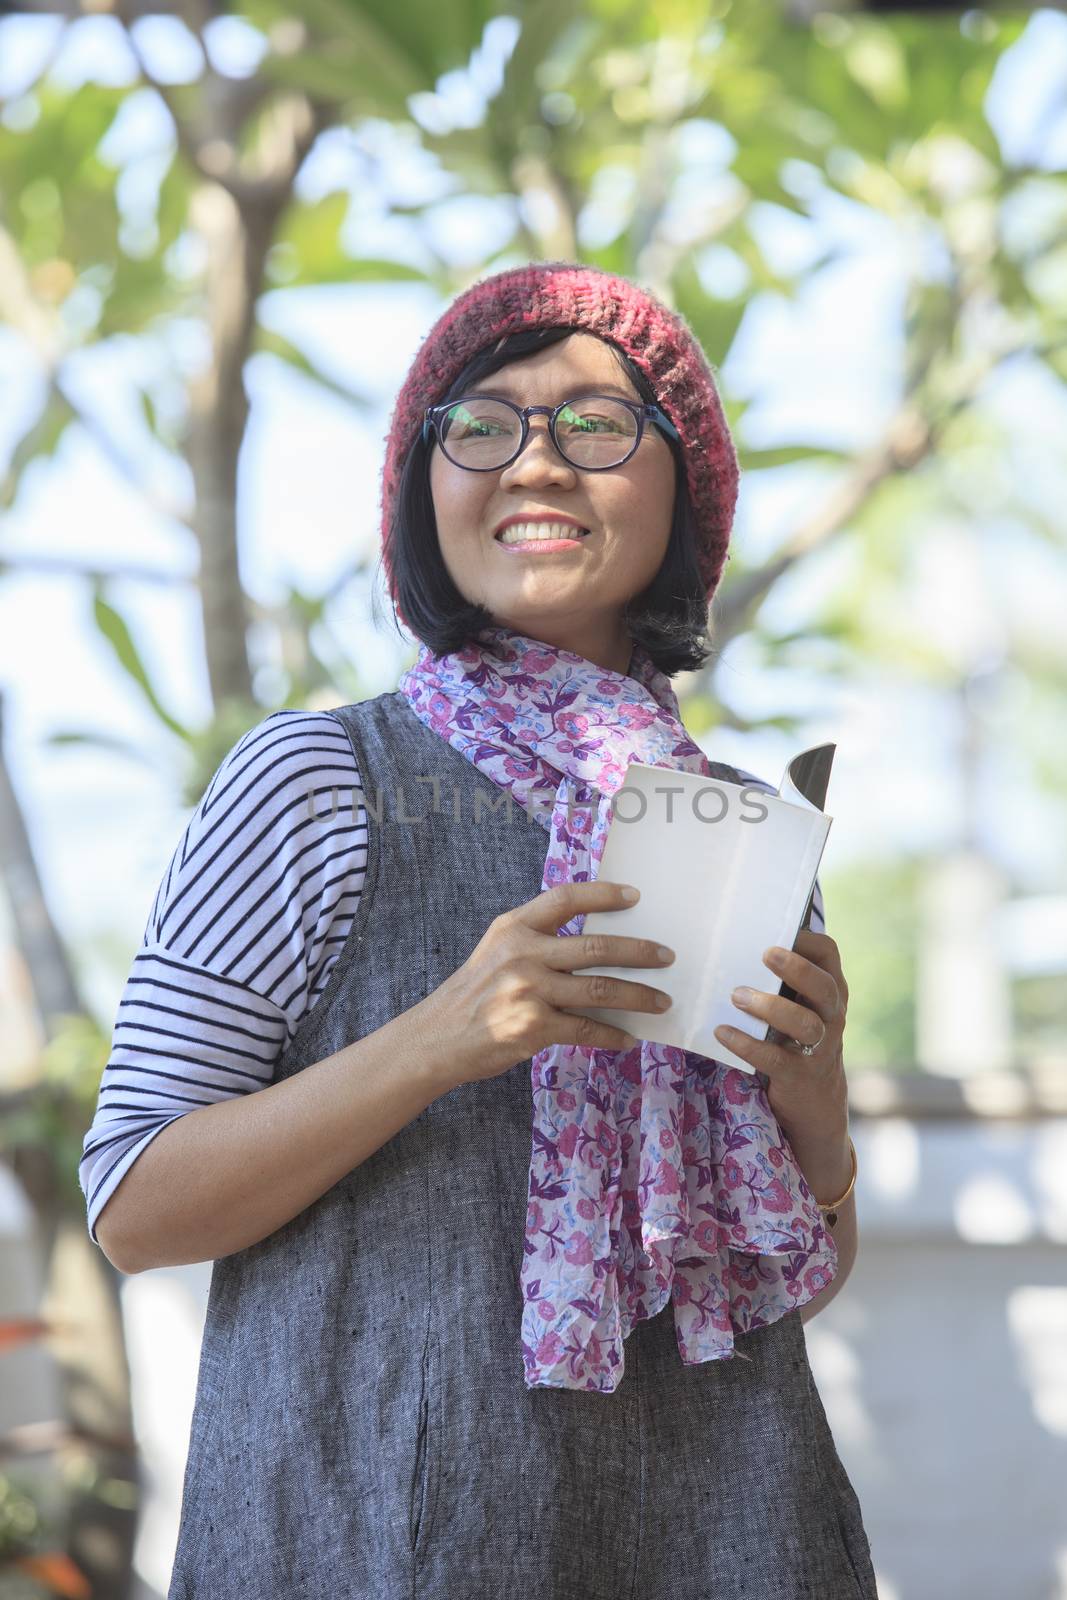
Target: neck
<point>605,645</point>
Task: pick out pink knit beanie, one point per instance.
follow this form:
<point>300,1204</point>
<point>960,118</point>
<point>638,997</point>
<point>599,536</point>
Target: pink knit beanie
<point>588,299</point>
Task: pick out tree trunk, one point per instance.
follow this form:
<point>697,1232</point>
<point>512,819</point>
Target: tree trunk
<point>81,1286</point>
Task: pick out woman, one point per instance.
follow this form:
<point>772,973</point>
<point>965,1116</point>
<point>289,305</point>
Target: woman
<point>506,1301</point>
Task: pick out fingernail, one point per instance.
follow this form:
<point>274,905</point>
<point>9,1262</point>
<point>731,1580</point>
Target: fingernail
<point>774,956</point>
<point>741,996</point>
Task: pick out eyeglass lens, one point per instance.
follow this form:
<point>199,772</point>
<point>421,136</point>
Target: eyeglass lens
<point>480,432</point>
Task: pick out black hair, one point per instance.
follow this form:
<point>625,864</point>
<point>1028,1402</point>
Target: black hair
<point>670,615</point>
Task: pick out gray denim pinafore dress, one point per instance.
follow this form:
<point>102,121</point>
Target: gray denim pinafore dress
<point>362,1430</point>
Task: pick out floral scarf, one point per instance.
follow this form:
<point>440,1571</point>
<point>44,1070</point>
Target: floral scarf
<point>655,1173</point>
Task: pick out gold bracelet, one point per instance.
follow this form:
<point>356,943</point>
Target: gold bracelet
<point>830,1211</point>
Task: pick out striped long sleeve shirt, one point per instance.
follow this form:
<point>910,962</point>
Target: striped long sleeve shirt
<point>248,920</point>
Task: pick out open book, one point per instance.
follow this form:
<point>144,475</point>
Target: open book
<point>724,872</point>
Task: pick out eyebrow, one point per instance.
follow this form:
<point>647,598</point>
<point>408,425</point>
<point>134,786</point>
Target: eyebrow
<point>495,392</point>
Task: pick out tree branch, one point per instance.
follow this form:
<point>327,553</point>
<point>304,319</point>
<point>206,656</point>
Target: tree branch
<point>210,143</point>
<point>911,437</point>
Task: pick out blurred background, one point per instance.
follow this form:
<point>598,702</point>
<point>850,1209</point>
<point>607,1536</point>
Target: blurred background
<point>223,234</point>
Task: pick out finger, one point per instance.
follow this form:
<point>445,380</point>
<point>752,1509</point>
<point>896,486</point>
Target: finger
<point>588,1034</point>
<point>824,952</point>
<point>818,986</point>
<point>566,951</point>
<point>805,1024</point>
<point>820,948</point>
<point>769,1056</point>
<point>761,1054</point>
<point>549,910</point>
<point>615,994</point>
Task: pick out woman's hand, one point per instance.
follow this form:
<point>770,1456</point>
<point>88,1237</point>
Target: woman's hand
<point>507,1000</point>
<point>808,1094</point>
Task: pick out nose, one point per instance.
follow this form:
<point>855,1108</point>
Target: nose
<point>538,459</point>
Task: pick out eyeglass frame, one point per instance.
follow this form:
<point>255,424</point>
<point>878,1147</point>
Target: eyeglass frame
<point>641,411</point>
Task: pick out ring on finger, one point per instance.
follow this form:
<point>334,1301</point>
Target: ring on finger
<point>795,1046</point>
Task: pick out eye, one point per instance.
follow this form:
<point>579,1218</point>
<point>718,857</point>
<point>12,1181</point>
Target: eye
<point>476,427</point>
<point>595,416</point>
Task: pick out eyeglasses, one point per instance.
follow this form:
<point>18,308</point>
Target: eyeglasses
<point>594,432</point>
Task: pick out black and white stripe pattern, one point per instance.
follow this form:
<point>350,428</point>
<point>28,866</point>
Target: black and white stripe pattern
<point>247,923</point>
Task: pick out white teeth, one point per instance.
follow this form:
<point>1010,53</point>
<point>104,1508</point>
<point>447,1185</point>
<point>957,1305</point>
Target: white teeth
<point>517,532</point>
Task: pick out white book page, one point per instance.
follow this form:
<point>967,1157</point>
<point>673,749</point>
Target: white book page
<point>722,877</point>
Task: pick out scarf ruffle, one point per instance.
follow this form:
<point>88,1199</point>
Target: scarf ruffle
<point>656,1172</point>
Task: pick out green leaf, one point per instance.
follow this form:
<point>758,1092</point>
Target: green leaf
<point>41,441</point>
<point>438,37</point>
<point>114,629</point>
<point>308,240</point>
<point>876,60</point>
<point>759,166</point>
<point>101,741</point>
<point>784,455</point>
<point>371,61</point>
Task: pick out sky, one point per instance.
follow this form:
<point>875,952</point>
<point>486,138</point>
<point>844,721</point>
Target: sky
<point>104,828</point>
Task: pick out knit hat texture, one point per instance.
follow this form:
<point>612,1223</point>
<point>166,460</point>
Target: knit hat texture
<point>588,299</point>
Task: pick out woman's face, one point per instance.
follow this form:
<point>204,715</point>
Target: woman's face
<point>571,597</point>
